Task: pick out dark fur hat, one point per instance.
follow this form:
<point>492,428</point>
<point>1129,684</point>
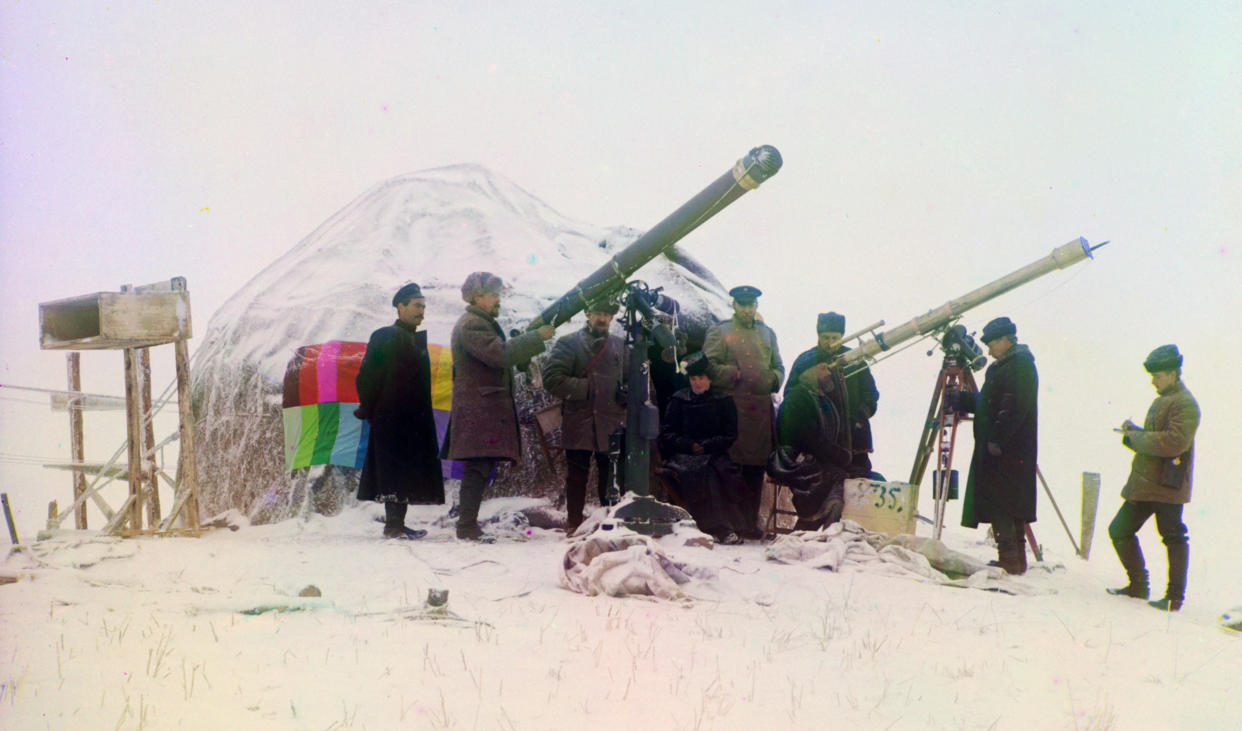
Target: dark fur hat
<point>1164,358</point>
<point>830,322</point>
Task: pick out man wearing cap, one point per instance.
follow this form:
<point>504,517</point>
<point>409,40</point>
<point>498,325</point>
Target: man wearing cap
<point>855,393</point>
<point>1160,479</point>
<point>696,432</point>
<point>1001,486</point>
<point>746,364</point>
<point>402,465</point>
<point>483,425</point>
<point>586,370</point>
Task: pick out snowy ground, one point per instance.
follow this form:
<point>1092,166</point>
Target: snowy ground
<point>210,633</point>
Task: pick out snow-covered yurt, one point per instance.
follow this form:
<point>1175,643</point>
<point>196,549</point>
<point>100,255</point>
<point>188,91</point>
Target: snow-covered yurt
<point>432,227</point>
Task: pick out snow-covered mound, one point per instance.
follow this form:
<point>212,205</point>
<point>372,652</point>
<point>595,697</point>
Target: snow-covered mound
<point>432,227</point>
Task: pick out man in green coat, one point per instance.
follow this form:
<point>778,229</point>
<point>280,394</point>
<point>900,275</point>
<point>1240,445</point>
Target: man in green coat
<point>1160,478</point>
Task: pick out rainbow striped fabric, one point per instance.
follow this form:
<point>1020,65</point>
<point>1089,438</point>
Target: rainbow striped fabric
<point>320,396</point>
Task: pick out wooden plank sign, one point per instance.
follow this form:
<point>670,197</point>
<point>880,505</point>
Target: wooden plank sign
<point>883,507</point>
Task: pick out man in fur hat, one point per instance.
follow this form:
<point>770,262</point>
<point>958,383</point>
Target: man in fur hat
<point>586,370</point>
<point>1001,486</point>
<point>745,363</point>
<point>483,425</point>
<point>855,394</point>
<point>394,387</point>
<point>1160,478</point>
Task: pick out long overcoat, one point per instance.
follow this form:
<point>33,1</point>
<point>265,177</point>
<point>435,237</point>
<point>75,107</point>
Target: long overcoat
<point>746,364</point>
<point>1006,414</point>
<point>587,372</point>
<point>1168,433</point>
<point>709,484</point>
<point>810,424</point>
<point>862,398</point>
<point>483,422</point>
<point>394,390</point>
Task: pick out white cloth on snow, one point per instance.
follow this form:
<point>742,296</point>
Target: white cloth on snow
<point>848,542</point>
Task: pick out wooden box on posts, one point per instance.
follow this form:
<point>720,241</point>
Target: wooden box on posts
<point>135,317</point>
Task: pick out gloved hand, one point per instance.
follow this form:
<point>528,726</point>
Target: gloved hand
<point>994,449</point>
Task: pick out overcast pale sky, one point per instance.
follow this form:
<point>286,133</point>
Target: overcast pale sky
<point>929,148</point>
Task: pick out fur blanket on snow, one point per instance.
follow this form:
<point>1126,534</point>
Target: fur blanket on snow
<point>620,562</point>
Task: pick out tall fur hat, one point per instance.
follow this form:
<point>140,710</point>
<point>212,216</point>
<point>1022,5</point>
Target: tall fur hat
<point>478,283</point>
<point>830,322</point>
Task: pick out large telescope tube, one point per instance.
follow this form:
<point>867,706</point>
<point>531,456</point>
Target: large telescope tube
<point>757,166</point>
<point>1060,258</point>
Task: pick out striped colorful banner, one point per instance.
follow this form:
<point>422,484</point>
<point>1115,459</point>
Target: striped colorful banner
<point>320,396</point>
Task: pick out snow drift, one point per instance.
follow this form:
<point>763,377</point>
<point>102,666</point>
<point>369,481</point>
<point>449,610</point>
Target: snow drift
<point>433,227</point>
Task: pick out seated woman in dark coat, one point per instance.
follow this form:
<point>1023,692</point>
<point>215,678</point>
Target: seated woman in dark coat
<point>695,435</point>
<point>812,443</point>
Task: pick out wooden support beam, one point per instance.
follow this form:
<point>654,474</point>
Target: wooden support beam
<point>188,468</point>
<point>134,435</point>
<point>76,445</point>
<point>148,433</point>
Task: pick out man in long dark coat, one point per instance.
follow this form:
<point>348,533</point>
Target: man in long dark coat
<point>1160,480</point>
<point>586,370</point>
<point>402,465</point>
<point>1001,486</point>
<point>746,364</point>
<point>855,395</point>
<point>695,435</point>
<point>483,425</point>
<point>814,440</point>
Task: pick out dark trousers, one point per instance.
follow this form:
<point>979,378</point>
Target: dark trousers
<point>1123,532</point>
<point>578,470</point>
<point>752,476</point>
<point>476,473</point>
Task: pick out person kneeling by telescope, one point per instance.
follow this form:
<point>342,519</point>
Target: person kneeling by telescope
<point>812,456</point>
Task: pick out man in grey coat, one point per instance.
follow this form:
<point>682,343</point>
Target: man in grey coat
<point>746,364</point>
<point>483,425</point>
<point>586,370</point>
<point>1160,479</point>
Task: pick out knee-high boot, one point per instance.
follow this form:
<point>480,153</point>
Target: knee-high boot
<point>1131,557</point>
<point>1179,563</point>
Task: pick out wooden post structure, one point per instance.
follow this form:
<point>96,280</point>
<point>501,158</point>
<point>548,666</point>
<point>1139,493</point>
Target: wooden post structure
<point>77,450</point>
<point>132,320</point>
<point>152,473</point>
<point>133,430</point>
<point>188,472</point>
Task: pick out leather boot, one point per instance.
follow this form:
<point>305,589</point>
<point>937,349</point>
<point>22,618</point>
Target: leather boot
<point>468,515</point>
<point>1179,563</point>
<point>1131,557</point>
<point>394,519</point>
